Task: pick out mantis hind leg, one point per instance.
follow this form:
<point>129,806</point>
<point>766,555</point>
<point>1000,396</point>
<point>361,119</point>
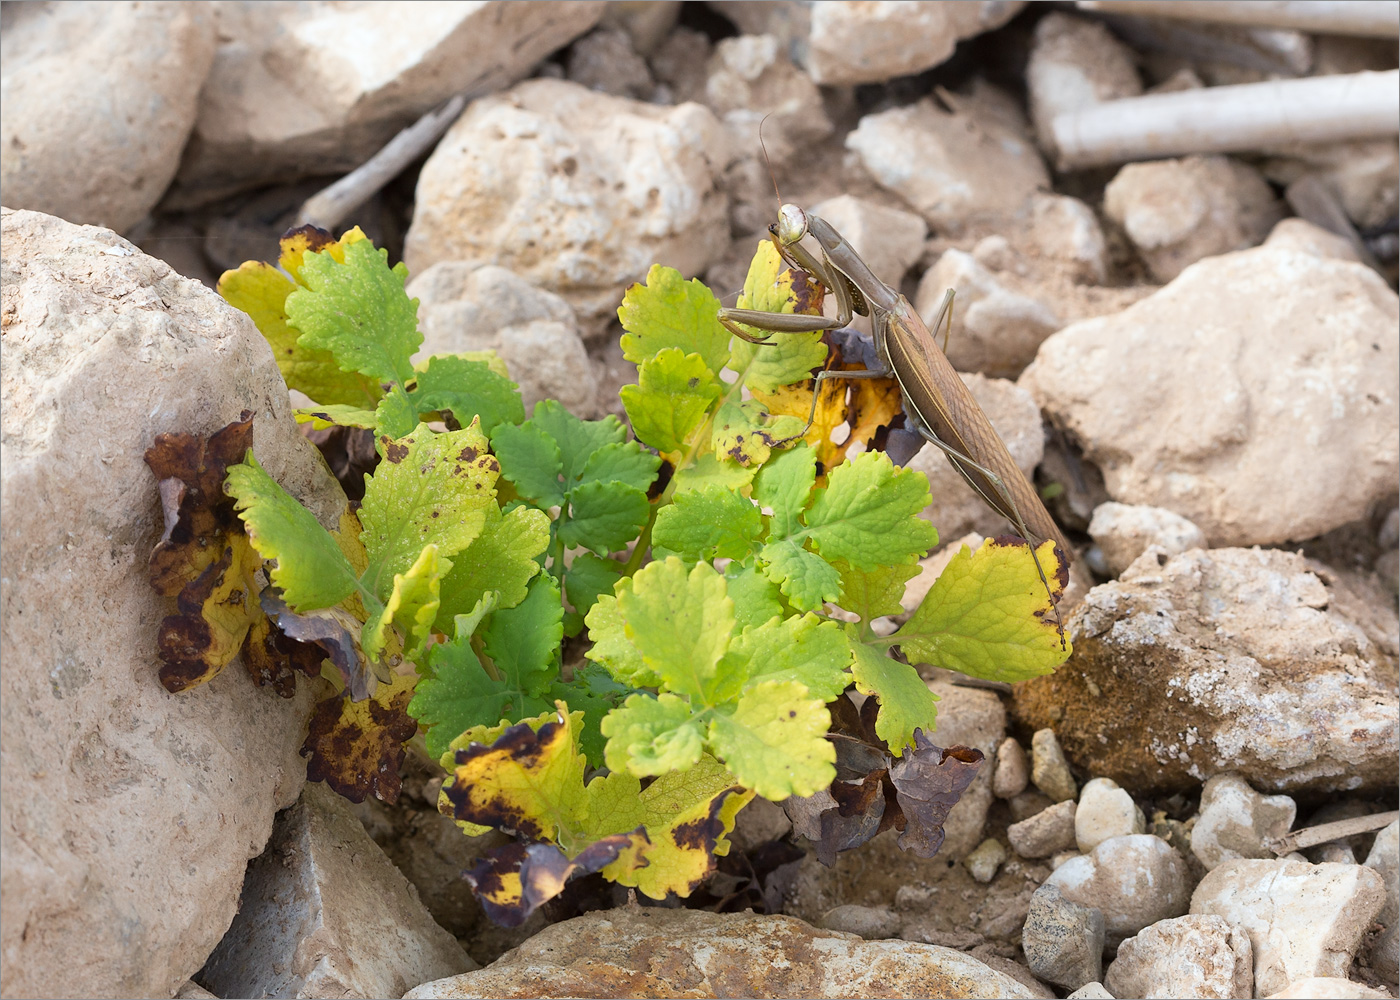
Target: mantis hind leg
<point>958,459</point>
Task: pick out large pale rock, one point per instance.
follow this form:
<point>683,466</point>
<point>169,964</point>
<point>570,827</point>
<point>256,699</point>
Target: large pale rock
<point>1177,211</point>
<point>1235,821</point>
<point>1135,880</point>
<point>1385,859</point>
<point>317,904</point>
<point>998,331</point>
<point>1184,403</point>
<point>1328,988</point>
<point>973,165</point>
<point>751,82</point>
<point>304,88</point>
<point>462,307</point>
<point>972,718</point>
<point>1196,955</point>
<point>649,951</point>
<point>844,43</point>
<point>1302,920</point>
<point>129,813</point>
<point>99,100</point>
<point>577,192</point>
<point>889,240</point>
<point>955,510</point>
<point>1075,64</point>
<point>1287,675</point>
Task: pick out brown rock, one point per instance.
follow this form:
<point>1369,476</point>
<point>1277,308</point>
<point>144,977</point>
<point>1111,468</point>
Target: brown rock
<point>1270,678</point>
<point>129,813</point>
<point>653,952</point>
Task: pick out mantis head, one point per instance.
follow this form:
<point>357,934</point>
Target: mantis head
<point>790,227</point>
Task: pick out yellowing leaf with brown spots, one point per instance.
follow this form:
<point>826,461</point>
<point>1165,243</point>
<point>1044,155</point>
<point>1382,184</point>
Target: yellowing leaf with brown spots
<point>356,747</point>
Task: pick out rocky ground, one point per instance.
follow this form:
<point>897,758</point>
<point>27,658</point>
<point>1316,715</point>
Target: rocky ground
<point>1196,357</point>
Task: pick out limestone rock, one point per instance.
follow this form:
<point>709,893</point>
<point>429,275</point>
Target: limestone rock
<point>1182,404</point>
<point>1123,532</point>
<point>1302,920</point>
<point>971,166</point>
<point>650,951</point>
<point>1075,64</point>
<point>751,81</point>
<point>129,813</point>
<point>1385,859</point>
<point>955,509</point>
<point>1063,940</point>
<point>1135,880</point>
<point>1049,769</point>
<point>1013,770</point>
<point>1091,991</point>
<point>1105,810</point>
<point>604,60</point>
<point>1067,231</point>
<point>972,718</point>
<point>1301,235</point>
<point>1177,211</point>
<point>318,902</point>
<point>998,330</point>
<point>1045,833</point>
<point>848,43</point>
<point>1235,821</point>
<point>303,88</point>
<point>575,191</point>
<point>1191,956</point>
<point>99,100</point>
<point>1327,988</point>
<point>870,922</point>
<point>1273,678</point>
<point>982,863</point>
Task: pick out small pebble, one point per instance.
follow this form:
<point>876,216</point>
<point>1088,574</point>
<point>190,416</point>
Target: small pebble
<point>1047,832</point>
<point>1013,771</point>
<point>1049,769</point>
<point>982,863</point>
<point>1063,940</point>
<point>1235,821</point>
<point>871,922</point>
<point>1090,991</point>
<point>1105,810</point>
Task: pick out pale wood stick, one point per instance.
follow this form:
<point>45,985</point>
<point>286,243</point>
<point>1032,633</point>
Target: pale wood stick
<point>1378,18</point>
<point>1322,834</point>
<point>1229,119</point>
<point>330,206</point>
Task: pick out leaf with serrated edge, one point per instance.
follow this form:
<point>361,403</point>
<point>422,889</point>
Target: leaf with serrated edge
<point>502,559</point>
<point>523,641</point>
<point>577,439</point>
<point>321,417</point>
<point>906,703</point>
<point>649,736</point>
<point>611,647</point>
<point>784,485</point>
<point>868,514</point>
<point>588,577</point>
<point>467,389</point>
<point>775,741</point>
<point>987,615</point>
<point>621,462</point>
<point>261,291</point>
<point>710,469</point>
<point>358,311</point>
<point>604,517</point>
<point>786,357</point>
<point>532,460</point>
<point>311,570</point>
<point>688,816</point>
<point>412,605</point>
<point>805,578</point>
<point>743,432</point>
<point>673,393</point>
<point>680,622</point>
<point>708,523</point>
<point>356,747</point>
<point>806,649</point>
<point>756,598</point>
<point>429,489</point>
<point>668,311</point>
<point>874,593</point>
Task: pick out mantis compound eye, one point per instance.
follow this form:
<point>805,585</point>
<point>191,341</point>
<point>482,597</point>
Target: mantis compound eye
<point>791,226</point>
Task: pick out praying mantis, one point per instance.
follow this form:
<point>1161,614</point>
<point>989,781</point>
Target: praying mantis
<point>937,405</point>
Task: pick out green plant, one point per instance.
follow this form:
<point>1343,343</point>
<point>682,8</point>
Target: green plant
<point>727,578</point>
